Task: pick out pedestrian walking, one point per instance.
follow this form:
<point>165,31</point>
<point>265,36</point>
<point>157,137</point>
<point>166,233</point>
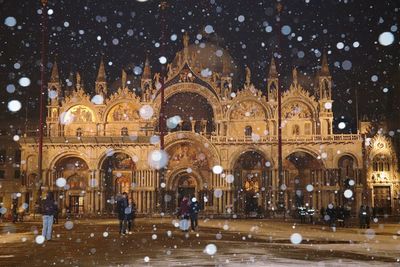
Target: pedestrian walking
<point>184,211</point>
<point>14,211</point>
<point>122,204</point>
<point>194,213</point>
<point>48,210</point>
<point>130,214</point>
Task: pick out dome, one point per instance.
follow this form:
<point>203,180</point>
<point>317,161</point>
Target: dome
<point>206,55</point>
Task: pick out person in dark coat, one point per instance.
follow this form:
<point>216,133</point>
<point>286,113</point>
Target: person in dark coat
<point>184,212</point>
<point>340,216</point>
<point>368,218</point>
<point>194,213</point>
<point>122,204</point>
<point>362,215</point>
<point>14,210</point>
<point>130,214</point>
<point>48,210</point>
<point>347,214</point>
<point>331,212</point>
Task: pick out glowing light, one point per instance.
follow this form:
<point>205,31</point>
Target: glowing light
<point>296,238</point>
<point>217,169</point>
<point>14,105</point>
<point>210,249</point>
<point>61,182</point>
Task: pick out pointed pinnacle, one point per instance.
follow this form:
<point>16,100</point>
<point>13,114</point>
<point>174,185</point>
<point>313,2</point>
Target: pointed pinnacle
<point>101,76</point>
<point>146,70</point>
<point>54,73</point>
<point>324,66</point>
<point>273,73</point>
<point>294,75</point>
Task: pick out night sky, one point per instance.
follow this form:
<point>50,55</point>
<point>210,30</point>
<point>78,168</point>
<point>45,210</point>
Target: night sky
<point>125,31</point>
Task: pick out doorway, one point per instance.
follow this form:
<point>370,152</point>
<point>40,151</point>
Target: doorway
<point>76,204</point>
<point>187,186</point>
<point>382,200</point>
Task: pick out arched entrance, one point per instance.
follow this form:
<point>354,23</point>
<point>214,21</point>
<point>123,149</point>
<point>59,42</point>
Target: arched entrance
<point>183,183</point>
<point>189,161</point>
<point>73,195</point>
<point>187,187</point>
<point>194,110</point>
<point>300,168</point>
<point>252,182</point>
<point>117,175</point>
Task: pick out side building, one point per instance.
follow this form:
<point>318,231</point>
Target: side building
<point>10,172</point>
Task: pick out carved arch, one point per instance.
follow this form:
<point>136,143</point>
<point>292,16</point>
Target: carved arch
<point>192,88</point>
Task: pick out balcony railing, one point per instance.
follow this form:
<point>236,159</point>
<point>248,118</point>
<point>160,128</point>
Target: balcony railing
<point>286,139</point>
<point>145,134</point>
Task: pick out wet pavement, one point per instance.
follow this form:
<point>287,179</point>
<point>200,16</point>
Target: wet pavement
<point>157,242</point>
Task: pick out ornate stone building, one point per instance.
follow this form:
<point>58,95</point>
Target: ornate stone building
<point>221,144</point>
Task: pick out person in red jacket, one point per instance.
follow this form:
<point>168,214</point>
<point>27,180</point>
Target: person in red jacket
<point>184,212</point>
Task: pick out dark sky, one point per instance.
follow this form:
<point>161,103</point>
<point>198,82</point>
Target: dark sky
<point>128,30</point>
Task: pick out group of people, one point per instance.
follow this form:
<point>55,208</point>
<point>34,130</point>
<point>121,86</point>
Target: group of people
<point>188,209</point>
<point>126,210</point>
<point>336,216</point>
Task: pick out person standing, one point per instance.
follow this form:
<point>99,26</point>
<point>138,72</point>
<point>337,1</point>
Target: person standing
<point>130,214</point>
<point>48,210</point>
<point>184,211</point>
<point>368,217</point>
<point>122,204</point>
<point>194,213</point>
<point>362,215</point>
<point>14,211</point>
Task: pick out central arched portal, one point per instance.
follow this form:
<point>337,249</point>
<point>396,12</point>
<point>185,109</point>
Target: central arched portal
<point>183,183</point>
<point>252,182</point>
<point>117,176</point>
<point>76,173</point>
<point>300,169</point>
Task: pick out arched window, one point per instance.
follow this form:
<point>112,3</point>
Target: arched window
<point>248,131</point>
<point>381,163</point>
<point>346,166</point>
<point>124,131</point>
<point>79,132</point>
<point>296,129</point>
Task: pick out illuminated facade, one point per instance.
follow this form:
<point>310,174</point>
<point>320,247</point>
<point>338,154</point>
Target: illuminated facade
<point>104,143</point>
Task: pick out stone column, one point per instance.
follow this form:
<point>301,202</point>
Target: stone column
<point>193,123</point>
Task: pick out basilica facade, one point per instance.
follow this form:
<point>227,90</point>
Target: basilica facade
<point>220,145</point>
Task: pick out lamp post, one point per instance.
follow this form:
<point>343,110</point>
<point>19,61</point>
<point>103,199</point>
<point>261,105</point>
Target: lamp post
<point>161,119</point>
<point>42,92</point>
<point>281,189</point>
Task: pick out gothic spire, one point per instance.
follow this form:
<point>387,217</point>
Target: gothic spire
<point>101,76</point>
<point>294,72</point>
<point>273,73</point>
<point>186,46</point>
<point>123,79</point>
<point>324,66</point>
<point>78,81</point>
<point>55,78</point>
<point>146,70</point>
